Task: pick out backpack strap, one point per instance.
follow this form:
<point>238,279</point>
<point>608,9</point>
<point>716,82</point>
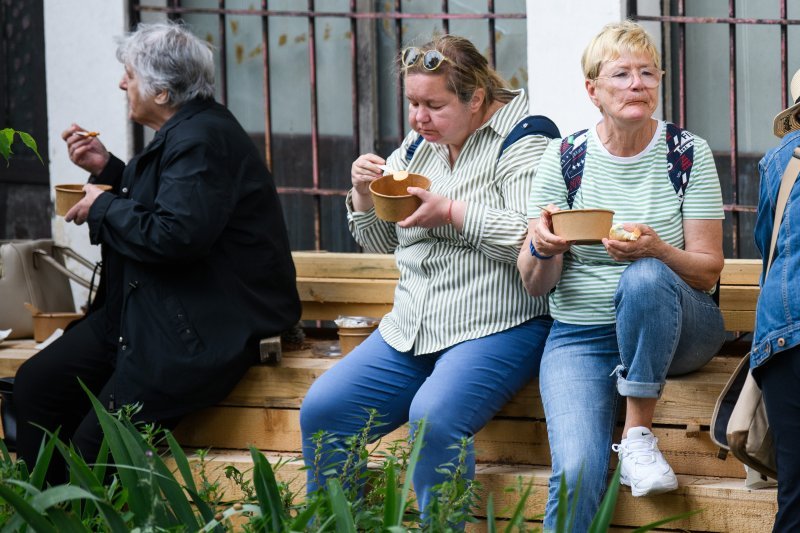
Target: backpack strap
<point>573,156</point>
<point>413,148</point>
<point>530,125</point>
<point>680,156</point>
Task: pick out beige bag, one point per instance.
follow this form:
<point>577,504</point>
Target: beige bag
<point>739,422</point>
<point>34,272</point>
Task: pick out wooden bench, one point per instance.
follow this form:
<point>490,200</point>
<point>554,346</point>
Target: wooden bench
<point>263,410</point>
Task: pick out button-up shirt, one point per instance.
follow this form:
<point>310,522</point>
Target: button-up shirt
<point>457,286</point>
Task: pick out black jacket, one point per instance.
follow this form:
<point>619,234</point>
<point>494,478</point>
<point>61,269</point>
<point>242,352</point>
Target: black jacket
<point>202,267</point>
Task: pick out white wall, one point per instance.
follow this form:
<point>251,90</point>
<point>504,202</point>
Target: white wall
<point>558,32</point>
<point>82,76</point>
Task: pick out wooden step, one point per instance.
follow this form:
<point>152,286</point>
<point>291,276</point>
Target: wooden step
<point>725,503</point>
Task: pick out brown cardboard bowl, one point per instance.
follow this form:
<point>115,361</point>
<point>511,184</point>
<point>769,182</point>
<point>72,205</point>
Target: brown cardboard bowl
<point>69,195</point>
<point>349,338</point>
<point>44,324</point>
<point>583,226</point>
<point>391,198</point>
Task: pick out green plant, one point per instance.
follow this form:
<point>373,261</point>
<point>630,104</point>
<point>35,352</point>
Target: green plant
<point>7,139</point>
<point>140,493</point>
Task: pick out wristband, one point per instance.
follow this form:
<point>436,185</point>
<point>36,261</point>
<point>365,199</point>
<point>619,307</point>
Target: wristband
<point>536,254</point>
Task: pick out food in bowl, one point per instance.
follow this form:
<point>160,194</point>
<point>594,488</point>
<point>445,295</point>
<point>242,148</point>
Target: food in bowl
<point>618,232</point>
<point>69,195</point>
<point>583,226</point>
<point>391,198</point>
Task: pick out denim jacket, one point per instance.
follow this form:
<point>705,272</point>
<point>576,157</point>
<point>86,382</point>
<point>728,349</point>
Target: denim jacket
<point>778,311</point>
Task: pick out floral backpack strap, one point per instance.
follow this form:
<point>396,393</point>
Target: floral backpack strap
<point>573,156</point>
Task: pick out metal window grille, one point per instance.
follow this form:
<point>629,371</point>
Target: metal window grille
<point>313,173</point>
<point>738,169</point>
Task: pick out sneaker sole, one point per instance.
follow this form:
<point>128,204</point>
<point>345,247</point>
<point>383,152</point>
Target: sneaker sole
<point>652,491</point>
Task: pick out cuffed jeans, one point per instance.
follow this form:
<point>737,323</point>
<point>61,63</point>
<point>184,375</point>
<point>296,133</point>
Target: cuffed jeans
<point>457,391</point>
<point>663,327</point>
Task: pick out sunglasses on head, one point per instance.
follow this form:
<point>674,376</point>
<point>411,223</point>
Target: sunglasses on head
<point>431,59</point>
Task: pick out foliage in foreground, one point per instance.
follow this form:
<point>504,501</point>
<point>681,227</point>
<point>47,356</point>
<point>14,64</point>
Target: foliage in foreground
<point>141,494</point>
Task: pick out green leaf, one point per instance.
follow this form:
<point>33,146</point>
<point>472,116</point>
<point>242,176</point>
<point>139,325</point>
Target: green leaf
<point>663,521</point>
<point>6,140</point>
<point>66,522</point>
<point>340,508</point>
<point>27,512</point>
<point>39,472</point>
<point>138,497</point>
<point>30,143</point>
<point>412,465</point>
<point>491,527</point>
<point>605,513</point>
<point>185,470</point>
<point>391,498</point>
<point>267,491</point>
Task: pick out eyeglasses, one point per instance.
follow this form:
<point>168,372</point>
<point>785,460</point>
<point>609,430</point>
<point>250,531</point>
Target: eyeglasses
<point>431,59</point>
<point>623,79</point>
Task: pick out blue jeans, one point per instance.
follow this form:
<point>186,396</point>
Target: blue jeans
<point>664,327</point>
<point>457,391</point>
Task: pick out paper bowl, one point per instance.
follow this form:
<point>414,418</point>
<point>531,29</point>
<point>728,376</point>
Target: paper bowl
<point>44,324</point>
<point>391,198</point>
<point>583,226</point>
<point>69,195</point>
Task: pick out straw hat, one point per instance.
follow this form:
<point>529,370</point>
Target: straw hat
<point>787,120</point>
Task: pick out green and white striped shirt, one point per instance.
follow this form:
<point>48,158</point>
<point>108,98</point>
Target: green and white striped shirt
<point>638,189</point>
<point>460,286</point>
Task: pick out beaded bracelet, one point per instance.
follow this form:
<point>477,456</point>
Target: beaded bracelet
<point>536,254</point>
<point>449,218</point>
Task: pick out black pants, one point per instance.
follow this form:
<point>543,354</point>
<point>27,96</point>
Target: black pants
<point>779,379</point>
<point>47,393</point>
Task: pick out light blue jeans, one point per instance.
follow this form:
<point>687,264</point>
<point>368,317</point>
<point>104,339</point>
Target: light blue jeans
<point>457,391</point>
<point>664,327</point>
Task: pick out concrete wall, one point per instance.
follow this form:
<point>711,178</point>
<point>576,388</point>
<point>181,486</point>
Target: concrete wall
<point>82,78</point>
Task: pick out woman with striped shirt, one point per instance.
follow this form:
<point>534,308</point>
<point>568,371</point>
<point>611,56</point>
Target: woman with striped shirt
<point>627,313</point>
<point>463,336</point>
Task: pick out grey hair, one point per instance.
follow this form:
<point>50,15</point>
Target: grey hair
<point>168,57</point>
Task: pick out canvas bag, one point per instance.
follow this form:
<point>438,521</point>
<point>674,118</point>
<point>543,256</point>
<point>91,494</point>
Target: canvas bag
<point>33,271</point>
<point>739,422</point>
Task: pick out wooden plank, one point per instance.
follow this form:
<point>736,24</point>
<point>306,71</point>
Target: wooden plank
<point>345,265</point>
<point>726,504</point>
<point>738,297</point>
<point>739,320</point>
<point>330,311</point>
<point>505,441</point>
<point>348,290</point>
<point>741,272</point>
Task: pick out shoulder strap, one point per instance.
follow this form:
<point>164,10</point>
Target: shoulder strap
<point>787,182</point>
<point>573,155</point>
<point>680,156</point>
<point>530,125</point>
<point>413,148</point>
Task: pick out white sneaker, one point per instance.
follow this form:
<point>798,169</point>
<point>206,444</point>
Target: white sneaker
<point>642,466</point>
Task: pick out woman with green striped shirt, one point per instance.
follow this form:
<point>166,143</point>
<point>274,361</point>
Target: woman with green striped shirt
<point>627,313</point>
<point>463,336</point>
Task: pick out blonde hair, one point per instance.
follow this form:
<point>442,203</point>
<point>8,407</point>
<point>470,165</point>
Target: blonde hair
<point>614,40</point>
<point>465,68</point>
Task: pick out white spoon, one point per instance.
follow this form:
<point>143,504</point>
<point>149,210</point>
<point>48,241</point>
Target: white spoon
<point>397,175</point>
